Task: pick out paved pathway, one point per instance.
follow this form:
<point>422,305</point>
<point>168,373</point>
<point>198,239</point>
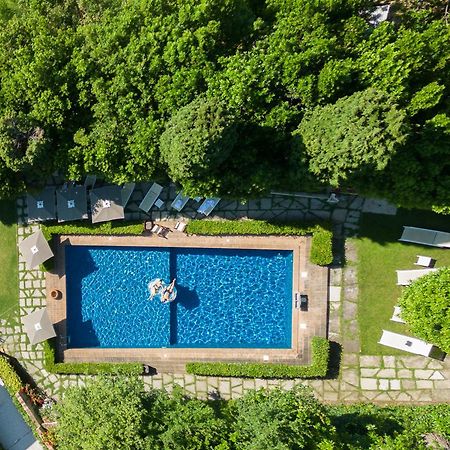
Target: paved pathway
<point>362,378</point>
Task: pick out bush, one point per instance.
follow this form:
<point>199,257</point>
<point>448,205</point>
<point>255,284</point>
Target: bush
<point>86,368</point>
<point>321,245</point>
<point>105,228</point>
<point>425,307</point>
<point>317,369</point>
<point>9,376</point>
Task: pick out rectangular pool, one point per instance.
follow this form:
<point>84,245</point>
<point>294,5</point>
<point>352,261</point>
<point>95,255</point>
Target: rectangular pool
<point>227,298</point>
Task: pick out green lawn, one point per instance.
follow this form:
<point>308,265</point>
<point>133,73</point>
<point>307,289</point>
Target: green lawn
<point>8,259</point>
<point>379,255</point>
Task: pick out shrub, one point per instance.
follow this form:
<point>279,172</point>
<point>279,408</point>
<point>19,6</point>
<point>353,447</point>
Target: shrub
<point>317,369</point>
<point>104,228</point>
<point>425,307</point>
<point>86,368</point>
<point>9,376</point>
<point>321,246</point>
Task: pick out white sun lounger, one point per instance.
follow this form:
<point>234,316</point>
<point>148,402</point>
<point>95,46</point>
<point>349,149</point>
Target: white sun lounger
<point>396,315</point>
<point>406,277</point>
<point>151,197</point>
<point>208,205</point>
<point>406,343</point>
<point>126,192</point>
<point>426,237</point>
<point>180,201</point>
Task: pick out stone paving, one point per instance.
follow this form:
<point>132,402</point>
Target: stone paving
<point>362,378</point>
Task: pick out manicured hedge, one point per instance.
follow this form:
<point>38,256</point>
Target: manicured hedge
<point>86,368</point>
<point>104,228</point>
<point>317,369</point>
<point>9,376</point>
<point>321,245</point>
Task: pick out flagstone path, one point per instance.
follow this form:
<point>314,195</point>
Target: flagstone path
<point>382,379</point>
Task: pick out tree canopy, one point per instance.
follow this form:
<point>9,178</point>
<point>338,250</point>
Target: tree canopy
<point>103,88</point>
<point>113,412</point>
<point>426,308</point>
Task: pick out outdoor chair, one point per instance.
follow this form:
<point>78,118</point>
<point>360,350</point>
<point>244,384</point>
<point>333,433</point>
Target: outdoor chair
<point>396,315</point>
<point>425,261</point>
<point>208,205</point>
<point>426,237</point>
<point>160,231</point>
<point>410,344</point>
<point>148,225</point>
<point>89,182</point>
<point>127,190</point>
<point>180,201</point>
<point>151,197</point>
<point>406,277</point>
<point>180,226</point>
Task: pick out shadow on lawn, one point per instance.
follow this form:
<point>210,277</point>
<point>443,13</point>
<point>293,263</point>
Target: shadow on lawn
<point>385,229</point>
<point>8,214</point>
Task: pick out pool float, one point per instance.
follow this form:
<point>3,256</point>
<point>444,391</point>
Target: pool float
<point>155,287</point>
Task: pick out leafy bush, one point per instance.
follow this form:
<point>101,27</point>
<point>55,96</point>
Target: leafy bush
<point>318,368</point>
<point>9,376</point>
<point>86,368</point>
<point>104,228</point>
<point>321,245</point>
<point>425,307</point>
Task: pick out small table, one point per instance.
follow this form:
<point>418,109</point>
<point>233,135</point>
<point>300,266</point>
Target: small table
<point>424,261</point>
<point>159,203</point>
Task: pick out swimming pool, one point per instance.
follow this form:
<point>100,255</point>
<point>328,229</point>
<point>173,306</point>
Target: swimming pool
<point>227,298</point>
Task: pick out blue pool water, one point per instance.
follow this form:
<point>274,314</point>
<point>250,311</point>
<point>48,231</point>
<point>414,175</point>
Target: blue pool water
<point>226,298</point>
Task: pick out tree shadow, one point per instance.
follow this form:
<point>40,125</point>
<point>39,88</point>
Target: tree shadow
<point>334,362</point>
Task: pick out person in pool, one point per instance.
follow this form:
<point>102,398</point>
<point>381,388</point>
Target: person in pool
<point>155,288</point>
<point>168,292</point>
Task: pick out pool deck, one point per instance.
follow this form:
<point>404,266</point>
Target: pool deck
<point>307,278</point>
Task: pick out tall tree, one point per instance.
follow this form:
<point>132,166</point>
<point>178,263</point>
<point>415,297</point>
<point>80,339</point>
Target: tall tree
<point>353,138</point>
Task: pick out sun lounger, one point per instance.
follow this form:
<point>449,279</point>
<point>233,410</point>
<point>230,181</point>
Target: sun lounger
<point>406,277</point>
<point>180,201</point>
<point>396,315</point>
<point>208,205</point>
<point>151,197</point>
<point>426,237</point>
<point>127,190</point>
<point>409,344</point>
<point>89,182</point>
<point>160,231</point>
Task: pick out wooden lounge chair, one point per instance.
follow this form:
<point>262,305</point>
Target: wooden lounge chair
<point>426,237</point>
<point>406,277</point>
<point>151,197</point>
<point>208,205</point>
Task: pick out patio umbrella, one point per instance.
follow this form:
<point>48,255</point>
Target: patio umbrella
<point>38,326</point>
<point>41,206</point>
<point>35,249</point>
<point>106,204</point>
<point>71,203</point>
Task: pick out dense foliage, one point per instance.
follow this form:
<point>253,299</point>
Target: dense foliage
<point>9,376</point>
<point>211,93</point>
<point>117,413</point>
<point>321,246</point>
<point>320,354</point>
<point>426,308</point>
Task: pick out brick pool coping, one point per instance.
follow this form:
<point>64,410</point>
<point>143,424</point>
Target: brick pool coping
<point>305,325</point>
